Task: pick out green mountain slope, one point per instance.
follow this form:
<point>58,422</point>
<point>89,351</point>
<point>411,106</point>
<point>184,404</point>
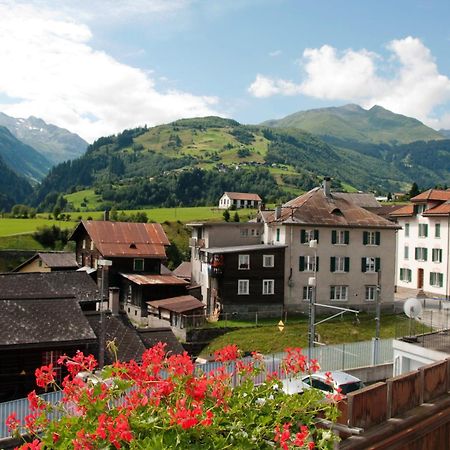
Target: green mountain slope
<point>21,158</point>
<point>353,123</point>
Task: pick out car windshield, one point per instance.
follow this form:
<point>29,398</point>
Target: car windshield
<point>350,387</point>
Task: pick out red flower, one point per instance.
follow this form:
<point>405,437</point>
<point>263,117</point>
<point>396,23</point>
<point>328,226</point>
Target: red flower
<point>294,361</point>
<point>35,445</point>
<point>180,364</point>
<point>45,376</point>
<point>12,422</point>
<point>228,353</point>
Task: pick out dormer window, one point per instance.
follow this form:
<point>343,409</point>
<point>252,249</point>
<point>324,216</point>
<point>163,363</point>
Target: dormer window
<point>337,212</point>
<point>421,208</point>
<point>133,245</point>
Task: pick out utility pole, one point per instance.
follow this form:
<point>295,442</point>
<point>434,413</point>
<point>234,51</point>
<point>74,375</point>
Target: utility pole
<point>376,341</point>
<point>312,282</point>
<point>101,347</point>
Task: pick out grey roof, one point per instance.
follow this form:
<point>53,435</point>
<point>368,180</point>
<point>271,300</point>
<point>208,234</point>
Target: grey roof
<point>54,260</point>
<point>41,285</point>
<point>151,336</point>
<point>361,199</point>
<point>59,321</point>
<point>243,248</point>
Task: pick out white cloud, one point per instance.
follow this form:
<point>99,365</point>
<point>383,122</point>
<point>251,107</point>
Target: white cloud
<point>53,72</point>
<point>415,88</point>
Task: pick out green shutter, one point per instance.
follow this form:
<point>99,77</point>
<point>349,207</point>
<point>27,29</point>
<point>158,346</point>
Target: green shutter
<point>416,253</point>
<point>347,264</point>
<point>377,264</point>
<point>332,264</point>
<point>333,236</point>
<point>301,264</point>
<point>317,264</point>
<point>402,274</point>
<point>425,254</point>
<point>365,237</point>
<point>347,236</point>
<point>302,236</point>
<point>441,279</point>
<point>426,230</point>
<point>363,264</point>
<point>377,237</point>
<point>409,275</point>
<point>316,235</point>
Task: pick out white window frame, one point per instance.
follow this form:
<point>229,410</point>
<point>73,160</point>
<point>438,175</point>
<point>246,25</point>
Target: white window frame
<point>371,264</point>
<point>244,260</point>
<point>434,279</point>
<point>437,230</point>
<point>406,252</point>
<point>436,255</point>
<point>371,293</point>
<point>309,293</point>
<point>407,275</point>
<point>268,261</point>
<point>310,263</point>
<point>421,253</point>
<point>407,229</point>
<point>243,287</point>
<point>340,237</point>
<point>339,265</point>
<point>421,208</point>
<point>423,230</point>
<point>339,293</point>
<point>309,236</point>
<point>371,238</point>
<point>268,287</point>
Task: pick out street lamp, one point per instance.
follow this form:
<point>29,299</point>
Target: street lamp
<point>101,351</point>
<point>312,282</point>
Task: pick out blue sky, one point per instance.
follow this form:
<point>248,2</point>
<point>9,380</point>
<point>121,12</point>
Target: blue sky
<point>98,67</point>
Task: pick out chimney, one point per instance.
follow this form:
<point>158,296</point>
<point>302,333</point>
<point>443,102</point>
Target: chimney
<point>277,212</point>
<point>106,215</point>
<point>114,304</point>
<point>327,186</point>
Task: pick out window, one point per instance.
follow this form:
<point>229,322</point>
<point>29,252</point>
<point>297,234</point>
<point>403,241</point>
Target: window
<point>308,264</point>
<point>278,235</point>
<point>370,264</point>
<point>423,230</point>
<point>308,235</point>
<point>406,252</point>
<point>244,232</point>
<point>436,279</point>
<point>84,243</point>
<point>244,262</point>
<point>340,237</point>
<point>268,287</point>
<point>371,238</point>
<point>307,293</point>
<point>406,275</point>
<point>339,293</point>
<point>243,287</point>
<point>138,265</point>
<point>421,209</point>
<point>406,229</point>
<point>437,230</point>
<point>268,261</point>
<point>436,255</point>
<point>371,292</point>
<point>92,245</point>
<point>421,254</point>
<point>339,264</point>
<point>254,232</point>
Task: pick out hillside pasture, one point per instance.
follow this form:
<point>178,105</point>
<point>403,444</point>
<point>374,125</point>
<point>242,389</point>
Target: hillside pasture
<point>11,227</point>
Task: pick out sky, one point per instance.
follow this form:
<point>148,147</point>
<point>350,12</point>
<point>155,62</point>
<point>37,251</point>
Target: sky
<point>97,67</point>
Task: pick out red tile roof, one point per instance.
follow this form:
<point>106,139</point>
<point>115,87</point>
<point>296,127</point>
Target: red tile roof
<point>404,211</point>
<point>440,210</point>
<point>432,194</point>
<point>153,279</point>
<point>243,196</point>
<point>314,208</point>
<point>183,303</point>
<point>127,239</point>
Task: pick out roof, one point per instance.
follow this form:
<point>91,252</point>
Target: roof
<point>144,280</point>
<point>183,303</point>
<point>243,196</point>
<point>404,211</point>
<point>243,248</point>
<point>59,321</point>
<point>316,209</point>
<point>362,199</point>
<point>151,336</point>
<point>165,270</point>
<point>441,210</point>
<point>44,285</point>
<point>184,270</point>
<point>432,194</point>
<point>54,260</point>
<point>126,239</point>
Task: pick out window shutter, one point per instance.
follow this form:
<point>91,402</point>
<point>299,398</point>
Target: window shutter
<point>416,253</point>
<point>347,236</point>
<point>302,236</point>
<point>402,274</point>
<point>347,264</point>
<point>363,264</point>
<point>431,278</point>
<point>333,236</point>
<point>332,264</point>
<point>426,230</point>
<point>441,279</point>
<point>377,264</point>
<point>409,275</point>
<point>425,254</point>
<point>316,235</point>
<point>301,264</point>
<point>317,264</point>
<point>377,237</point>
<point>365,237</point>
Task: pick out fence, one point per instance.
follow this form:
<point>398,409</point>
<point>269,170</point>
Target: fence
<point>331,357</point>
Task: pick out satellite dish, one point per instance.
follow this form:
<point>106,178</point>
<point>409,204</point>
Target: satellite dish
<point>412,308</point>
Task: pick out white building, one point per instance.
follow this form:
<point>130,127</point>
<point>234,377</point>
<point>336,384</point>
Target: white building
<point>239,200</point>
<point>423,244</point>
<point>355,250</point>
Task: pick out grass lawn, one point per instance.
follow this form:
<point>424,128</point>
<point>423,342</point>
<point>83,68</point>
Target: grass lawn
<point>88,196</point>
<point>10,227</point>
<point>19,242</point>
<point>268,339</point>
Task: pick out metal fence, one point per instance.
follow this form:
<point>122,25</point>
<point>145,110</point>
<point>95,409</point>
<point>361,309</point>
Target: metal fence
<point>329,357</point>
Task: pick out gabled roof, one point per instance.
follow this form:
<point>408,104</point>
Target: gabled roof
<point>432,195</point>
<point>54,260</point>
<point>126,239</point>
<point>151,336</point>
<point>38,322</point>
<point>181,304</point>
<point>243,196</point>
<point>184,270</point>
<point>441,210</point>
<point>145,280</point>
<point>45,285</point>
<point>362,199</point>
<point>404,211</point>
<point>315,208</point>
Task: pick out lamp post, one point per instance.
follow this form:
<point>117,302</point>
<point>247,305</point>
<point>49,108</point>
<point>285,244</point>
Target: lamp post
<point>101,351</point>
<point>312,282</point>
